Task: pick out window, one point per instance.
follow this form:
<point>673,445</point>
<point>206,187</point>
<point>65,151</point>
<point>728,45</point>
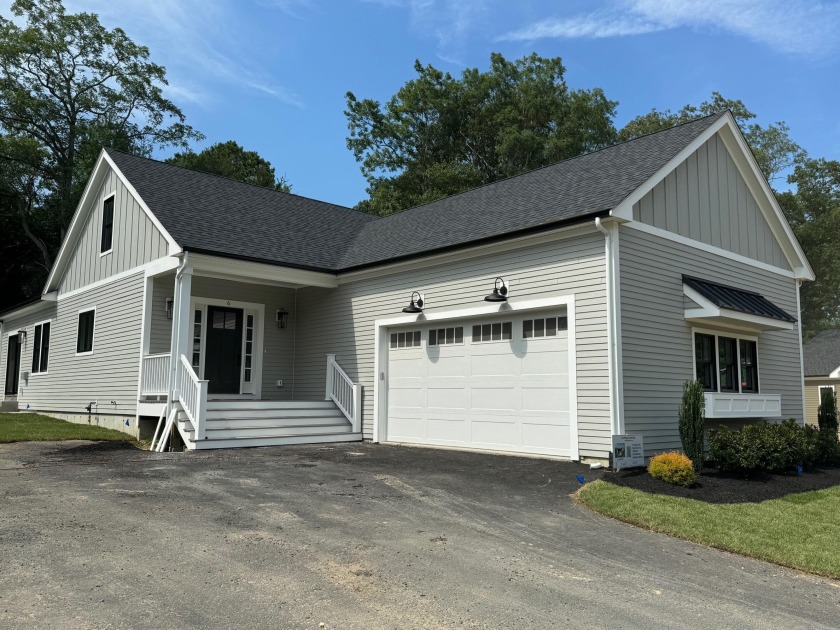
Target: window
<point>196,350</point>
<point>825,391</point>
<point>84,335</point>
<point>726,364</point>
<point>107,225</point>
<point>410,339</point>
<point>41,348</point>
<point>497,331</point>
<point>249,346</point>
<point>446,336</point>
<point>547,327</point>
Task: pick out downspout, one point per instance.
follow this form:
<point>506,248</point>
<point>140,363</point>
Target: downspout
<point>612,350</point>
<point>801,358</point>
<point>173,337</point>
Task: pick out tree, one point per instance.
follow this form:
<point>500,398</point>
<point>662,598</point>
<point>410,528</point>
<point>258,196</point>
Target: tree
<point>68,86</point>
<point>772,146</point>
<point>813,211</point>
<point>692,422</point>
<point>231,160</point>
<point>439,135</point>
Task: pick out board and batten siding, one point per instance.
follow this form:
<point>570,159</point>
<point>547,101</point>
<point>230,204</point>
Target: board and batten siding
<point>109,374</point>
<point>278,344</point>
<point>136,240</point>
<point>706,199</point>
<point>341,321</point>
<point>657,340</point>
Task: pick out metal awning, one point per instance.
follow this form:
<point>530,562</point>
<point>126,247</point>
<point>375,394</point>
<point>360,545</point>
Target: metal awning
<point>720,304</point>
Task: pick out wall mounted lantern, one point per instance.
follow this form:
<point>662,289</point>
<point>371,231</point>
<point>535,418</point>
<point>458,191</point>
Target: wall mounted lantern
<point>22,334</point>
<point>282,318</point>
<point>499,292</point>
<point>170,307</point>
<point>414,306</point>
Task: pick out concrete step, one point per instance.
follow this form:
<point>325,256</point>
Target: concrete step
<point>276,441</point>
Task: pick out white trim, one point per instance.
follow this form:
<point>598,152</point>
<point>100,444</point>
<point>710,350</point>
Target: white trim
<point>834,373</point>
<point>610,232</point>
<point>388,268</point>
<point>259,273</point>
<point>381,346</point>
<point>113,220</point>
<point>721,405</point>
<point>5,349</point>
<point>738,337</point>
<point>29,309</point>
<point>710,314</point>
<point>150,269</point>
<point>711,249</point>
<point>92,335</point>
<point>34,326</point>
<point>258,310</point>
<point>145,337</point>
<point>801,354</point>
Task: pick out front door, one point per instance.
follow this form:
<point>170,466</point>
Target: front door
<point>12,366</point>
<point>223,364</point>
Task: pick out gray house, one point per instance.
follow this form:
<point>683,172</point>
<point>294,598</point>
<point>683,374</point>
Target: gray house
<point>542,314</point>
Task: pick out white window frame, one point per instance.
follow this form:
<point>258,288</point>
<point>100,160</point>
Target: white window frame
<point>34,327</point>
<point>730,335</point>
<point>819,392</point>
<point>92,336</point>
<point>102,223</point>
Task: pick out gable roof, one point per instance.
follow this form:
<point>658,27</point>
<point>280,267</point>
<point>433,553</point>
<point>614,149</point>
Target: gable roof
<point>821,355</point>
<point>215,215</point>
<point>733,299</point>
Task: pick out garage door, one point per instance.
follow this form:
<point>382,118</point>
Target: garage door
<point>498,384</point>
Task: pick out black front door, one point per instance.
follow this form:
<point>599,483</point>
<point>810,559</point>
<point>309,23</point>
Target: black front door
<point>223,364</point>
<point>12,366</point>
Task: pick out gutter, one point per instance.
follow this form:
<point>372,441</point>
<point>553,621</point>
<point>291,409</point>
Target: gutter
<point>613,358</point>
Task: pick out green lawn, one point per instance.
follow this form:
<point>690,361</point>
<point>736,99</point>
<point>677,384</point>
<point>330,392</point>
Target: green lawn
<point>801,531</point>
<point>26,427</point>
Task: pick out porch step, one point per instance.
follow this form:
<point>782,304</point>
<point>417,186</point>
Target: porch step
<point>277,441</point>
<point>234,413</point>
<point>214,432</point>
<point>283,421</point>
<point>286,405</point>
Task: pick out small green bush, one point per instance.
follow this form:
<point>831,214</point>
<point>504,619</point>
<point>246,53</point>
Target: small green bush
<point>768,447</point>
<point>674,468</point>
<point>692,421</point>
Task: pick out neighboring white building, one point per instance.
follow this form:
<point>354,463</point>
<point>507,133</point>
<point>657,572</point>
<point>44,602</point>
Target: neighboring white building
<point>628,271</point>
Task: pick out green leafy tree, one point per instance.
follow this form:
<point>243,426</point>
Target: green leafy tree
<point>231,160</point>
<point>813,211</point>
<point>68,86</point>
<point>827,413</point>
<point>692,422</point>
<point>772,146</point>
<point>440,135</point>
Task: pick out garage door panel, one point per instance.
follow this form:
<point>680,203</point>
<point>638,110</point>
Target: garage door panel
<point>506,395</point>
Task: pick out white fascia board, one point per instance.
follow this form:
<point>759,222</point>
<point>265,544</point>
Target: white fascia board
<point>835,373</point>
<point>624,210</point>
<point>259,273</point>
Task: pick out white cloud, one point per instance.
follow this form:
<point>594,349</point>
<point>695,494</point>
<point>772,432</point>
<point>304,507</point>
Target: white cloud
<point>450,22</point>
<point>203,44</point>
<point>808,27</point>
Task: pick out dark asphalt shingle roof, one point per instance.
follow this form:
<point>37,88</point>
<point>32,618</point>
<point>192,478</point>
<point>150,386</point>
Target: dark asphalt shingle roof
<point>735,299</point>
<point>217,215</point>
<point>821,355</point>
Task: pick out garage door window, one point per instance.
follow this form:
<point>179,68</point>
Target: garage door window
<point>545,327</point>
<point>497,331</point>
<point>410,339</point>
<point>446,336</point>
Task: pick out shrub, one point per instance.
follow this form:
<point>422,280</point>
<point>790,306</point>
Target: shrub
<point>827,412</point>
<point>673,468</point>
<point>692,419</point>
<point>770,448</point>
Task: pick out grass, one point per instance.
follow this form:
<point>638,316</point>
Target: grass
<point>799,530</point>
<point>32,427</point>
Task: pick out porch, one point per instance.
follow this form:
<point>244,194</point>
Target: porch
<point>218,360</point>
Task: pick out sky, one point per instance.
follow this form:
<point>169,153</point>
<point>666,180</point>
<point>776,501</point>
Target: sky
<point>272,74</point>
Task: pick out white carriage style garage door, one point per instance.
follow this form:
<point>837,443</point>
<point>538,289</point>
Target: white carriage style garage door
<point>496,384</point>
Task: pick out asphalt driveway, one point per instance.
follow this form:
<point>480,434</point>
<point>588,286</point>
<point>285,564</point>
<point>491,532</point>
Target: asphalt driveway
<point>353,536</point>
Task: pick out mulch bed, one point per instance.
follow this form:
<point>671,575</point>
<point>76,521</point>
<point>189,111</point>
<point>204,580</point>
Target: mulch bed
<point>715,487</point>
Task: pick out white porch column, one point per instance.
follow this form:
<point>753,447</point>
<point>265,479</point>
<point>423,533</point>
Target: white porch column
<point>329,387</point>
<point>184,334</point>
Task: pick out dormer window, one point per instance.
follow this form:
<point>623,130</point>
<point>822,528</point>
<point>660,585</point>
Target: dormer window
<point>107,225</point>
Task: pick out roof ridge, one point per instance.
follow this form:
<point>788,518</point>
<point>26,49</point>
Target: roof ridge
<point>558,162</point>
<point>237,181</point>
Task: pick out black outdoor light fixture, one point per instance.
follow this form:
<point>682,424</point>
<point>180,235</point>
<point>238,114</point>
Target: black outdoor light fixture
<point>499,292</point>
<point>22,333</point>
<point>282,318</point>
<point>414,306</point>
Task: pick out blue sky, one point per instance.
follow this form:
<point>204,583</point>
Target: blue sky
<point>272,74</point>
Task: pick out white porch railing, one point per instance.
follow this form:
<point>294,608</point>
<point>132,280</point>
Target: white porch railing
<point>192,394</point>
<point>155,377</point>
<point>346,394</point>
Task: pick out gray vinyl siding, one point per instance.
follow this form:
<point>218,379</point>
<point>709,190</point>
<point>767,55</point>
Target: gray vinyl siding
<point>110,373</point>
<point>278,344</point>
<point>27,323</point>
<point>706,199</point>
<point>657,340</point>
<point>136,240</point>
<point>341,321</point>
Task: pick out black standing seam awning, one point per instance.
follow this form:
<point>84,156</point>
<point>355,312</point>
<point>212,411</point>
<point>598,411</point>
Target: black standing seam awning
<point>733,299</point>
